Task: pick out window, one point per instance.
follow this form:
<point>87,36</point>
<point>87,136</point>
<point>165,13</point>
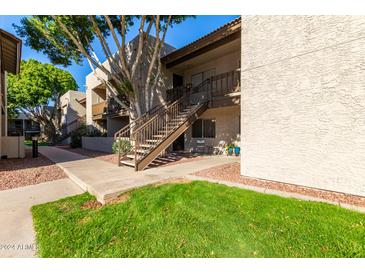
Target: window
<point>198,129</point>
<point>204,128</point>
<point>209,128</point>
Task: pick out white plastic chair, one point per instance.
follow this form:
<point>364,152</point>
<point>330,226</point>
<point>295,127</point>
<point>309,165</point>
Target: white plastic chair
<point>220,149</point>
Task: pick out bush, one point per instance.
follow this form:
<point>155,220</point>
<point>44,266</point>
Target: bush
<point>125,146</point>
<point>76,137</point>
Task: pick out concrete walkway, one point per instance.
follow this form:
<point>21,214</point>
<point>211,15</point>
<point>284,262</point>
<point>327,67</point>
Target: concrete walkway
<point>16,233</point>
<point>106,181</point>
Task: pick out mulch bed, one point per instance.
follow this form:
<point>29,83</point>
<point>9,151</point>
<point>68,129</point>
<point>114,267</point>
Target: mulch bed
<point>231,172</point>
<point>28,171</point>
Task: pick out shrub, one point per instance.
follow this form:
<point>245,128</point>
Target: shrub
<point>76,137</point>
<point>125,146</point>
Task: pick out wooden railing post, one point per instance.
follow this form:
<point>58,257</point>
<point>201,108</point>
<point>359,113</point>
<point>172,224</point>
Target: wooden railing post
<point>119,146</point>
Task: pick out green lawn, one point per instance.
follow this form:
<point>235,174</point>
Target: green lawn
<point>40,143</point>
<point>200,219</point>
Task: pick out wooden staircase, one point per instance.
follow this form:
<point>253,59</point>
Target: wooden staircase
<point>152,133</point>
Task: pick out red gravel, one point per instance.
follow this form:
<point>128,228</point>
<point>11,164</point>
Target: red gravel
<point>231,172</point>
<point>28,171</point>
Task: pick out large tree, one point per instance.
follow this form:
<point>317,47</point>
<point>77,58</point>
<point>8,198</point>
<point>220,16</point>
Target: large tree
<point>71,38</point>
<point>36,90</point>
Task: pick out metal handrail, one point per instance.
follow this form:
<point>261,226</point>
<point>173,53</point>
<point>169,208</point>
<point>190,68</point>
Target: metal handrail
<point>157,126</point>
<point>127,131</point>
<point>138,120</point>
<point>160,126</point>
<point>156,117</point>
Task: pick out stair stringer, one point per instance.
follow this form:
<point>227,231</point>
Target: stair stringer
<point>156,151</point>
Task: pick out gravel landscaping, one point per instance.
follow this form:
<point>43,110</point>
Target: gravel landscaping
<point>231,172</point>
<point>28,171</point>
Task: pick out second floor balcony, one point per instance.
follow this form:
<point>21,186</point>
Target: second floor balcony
<point>219,90</point>
<point>116,109</point>
<point>99,110</point>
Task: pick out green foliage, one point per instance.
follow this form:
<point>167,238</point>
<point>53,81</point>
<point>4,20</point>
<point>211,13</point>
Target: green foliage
<point>200,219</point>
<point>43,34</point>
<point>76,137</point>
<point>37,84</point>
<point>40,143</point>
<point>37,89</point>
<point>95,133</point>
<point>230,148</point>
<point>125,146</point>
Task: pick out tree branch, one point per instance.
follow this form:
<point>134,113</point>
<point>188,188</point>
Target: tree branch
<point>116,40</point>
<point>81,48</point>
<point>140,46</point>
<point>108,54</point>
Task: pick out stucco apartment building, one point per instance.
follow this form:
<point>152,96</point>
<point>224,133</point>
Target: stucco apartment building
<point>289,90</point>
<point>10,55</point>
<point>23,125</point>
<point>103,114</point>
<point>214,58</point>
<point>73,111</point>
<point>303,100</point>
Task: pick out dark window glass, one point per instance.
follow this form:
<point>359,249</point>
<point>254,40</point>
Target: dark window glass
<point>204,128</point>
<point>198,129</point>
<point>209,128</point>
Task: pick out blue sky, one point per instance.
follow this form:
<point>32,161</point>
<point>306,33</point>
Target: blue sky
<point>178,36</point>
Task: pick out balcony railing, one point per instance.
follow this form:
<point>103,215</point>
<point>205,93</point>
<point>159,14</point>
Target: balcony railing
<point>115,109</point>
<point>99,110</point>
<point>215,87</point>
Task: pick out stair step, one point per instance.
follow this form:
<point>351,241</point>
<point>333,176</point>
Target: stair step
<point>156,162</point>
<point>128,163</point>
<point>158,136</point>
<point>152,141</point>
<point>142,151</point>
<point>146,145</point>
<point>130,156</point>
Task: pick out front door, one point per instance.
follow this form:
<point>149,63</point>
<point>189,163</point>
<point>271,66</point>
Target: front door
<point>177,80</point>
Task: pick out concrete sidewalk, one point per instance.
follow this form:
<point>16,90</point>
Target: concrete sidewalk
<point>17,238</point>
<point>106,181</point>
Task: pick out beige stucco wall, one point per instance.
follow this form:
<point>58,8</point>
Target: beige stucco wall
<point>221,63</point>
<point>303,100</point>
<point>72,109</point>
<point>227,127</point>
<point>115,124</point>
<point>13,146</point>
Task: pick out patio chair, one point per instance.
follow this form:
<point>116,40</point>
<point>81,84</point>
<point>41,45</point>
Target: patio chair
<point>220,149</point>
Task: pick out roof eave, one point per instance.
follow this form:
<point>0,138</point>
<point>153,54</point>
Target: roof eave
<point>215,36</point>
